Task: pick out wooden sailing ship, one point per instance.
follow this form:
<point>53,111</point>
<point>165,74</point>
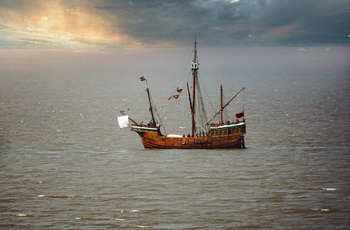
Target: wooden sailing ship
<point>205,134</point>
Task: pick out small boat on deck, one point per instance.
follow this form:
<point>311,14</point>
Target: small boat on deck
<point>205,133</point>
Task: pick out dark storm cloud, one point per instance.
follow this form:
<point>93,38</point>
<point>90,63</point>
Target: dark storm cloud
<point>244,21</point>
<point>127,22</point>
<point>316,20</point>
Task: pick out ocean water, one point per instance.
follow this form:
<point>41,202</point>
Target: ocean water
<point>65,164</point>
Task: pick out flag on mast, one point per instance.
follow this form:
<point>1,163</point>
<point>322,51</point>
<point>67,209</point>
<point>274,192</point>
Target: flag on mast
<point>239,115</point>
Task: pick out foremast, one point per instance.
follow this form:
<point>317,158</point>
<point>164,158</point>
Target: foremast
<point>150,106</point>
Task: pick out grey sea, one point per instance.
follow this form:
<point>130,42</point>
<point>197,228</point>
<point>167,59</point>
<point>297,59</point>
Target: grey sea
<point>65,163</point>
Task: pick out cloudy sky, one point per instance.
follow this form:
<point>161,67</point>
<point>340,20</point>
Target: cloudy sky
<point>128,23</point>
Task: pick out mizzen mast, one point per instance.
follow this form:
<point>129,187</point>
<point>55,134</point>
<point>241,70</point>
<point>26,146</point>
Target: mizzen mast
<point>221,106</point>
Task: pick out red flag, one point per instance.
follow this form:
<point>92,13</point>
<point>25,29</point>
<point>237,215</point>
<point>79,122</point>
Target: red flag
<point>142,78</point>
<point>239,115</point>
<point>176,96</point>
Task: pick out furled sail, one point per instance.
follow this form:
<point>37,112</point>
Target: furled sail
<point>123,121</point>
<point>202,128</point>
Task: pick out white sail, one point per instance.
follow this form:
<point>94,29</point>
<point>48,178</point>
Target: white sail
<point>123,121</point>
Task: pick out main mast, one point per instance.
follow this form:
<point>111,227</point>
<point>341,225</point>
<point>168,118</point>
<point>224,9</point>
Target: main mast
<point>194,68</point>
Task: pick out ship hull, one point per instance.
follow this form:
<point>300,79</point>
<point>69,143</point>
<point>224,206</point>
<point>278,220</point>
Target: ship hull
<point>218,138</point>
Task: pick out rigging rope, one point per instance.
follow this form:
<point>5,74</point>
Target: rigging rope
<point>159,117</point>
<point>132,104</point>
<point>206,93</point>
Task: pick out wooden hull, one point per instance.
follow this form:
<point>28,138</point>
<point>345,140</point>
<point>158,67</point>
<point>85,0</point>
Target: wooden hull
<point>218,138</point>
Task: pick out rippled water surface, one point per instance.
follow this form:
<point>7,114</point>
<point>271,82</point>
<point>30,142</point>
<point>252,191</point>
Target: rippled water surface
<point>65,164</point>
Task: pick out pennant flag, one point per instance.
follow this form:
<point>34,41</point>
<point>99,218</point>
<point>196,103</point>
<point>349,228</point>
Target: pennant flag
<point>176,96</point>
<point>142,78</point>
<point>179,90</point>
<point>239,115</point>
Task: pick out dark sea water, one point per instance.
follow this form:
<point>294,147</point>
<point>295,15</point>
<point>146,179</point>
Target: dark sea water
<point>65,164</point>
